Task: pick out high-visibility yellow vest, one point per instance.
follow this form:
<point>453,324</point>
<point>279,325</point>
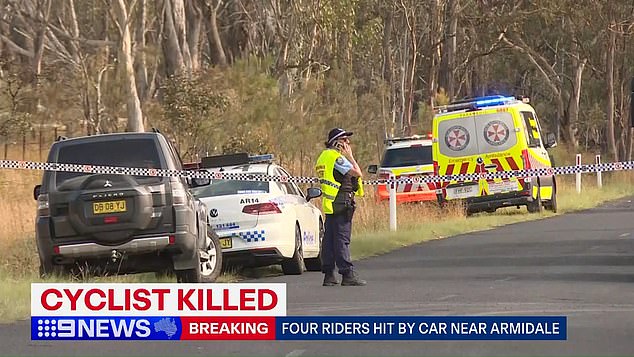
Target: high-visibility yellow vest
<point>329,186</point>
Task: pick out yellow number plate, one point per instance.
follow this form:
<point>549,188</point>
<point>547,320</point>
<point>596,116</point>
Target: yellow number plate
<point>225,243</point>
<point>109,207</point>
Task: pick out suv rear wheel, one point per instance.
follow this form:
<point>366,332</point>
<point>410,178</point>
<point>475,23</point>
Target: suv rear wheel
<point>49,270</point>
<point>209,263</point>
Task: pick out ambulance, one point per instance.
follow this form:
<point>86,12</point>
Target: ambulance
<point>488,134</point>
<point>406,157</point>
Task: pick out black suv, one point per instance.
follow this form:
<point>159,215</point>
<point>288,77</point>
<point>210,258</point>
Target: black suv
<point>115,223</point>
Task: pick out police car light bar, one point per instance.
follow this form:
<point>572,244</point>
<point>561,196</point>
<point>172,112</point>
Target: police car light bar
<point>481,102</point>
<point>408,138</point>
<point>261,158</point>
<point>234,160</point>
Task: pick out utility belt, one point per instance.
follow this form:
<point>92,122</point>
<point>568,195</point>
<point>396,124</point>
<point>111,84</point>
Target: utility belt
<point>345,206</point>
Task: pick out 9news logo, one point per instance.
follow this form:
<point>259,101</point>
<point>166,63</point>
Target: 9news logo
<point>105,328</point>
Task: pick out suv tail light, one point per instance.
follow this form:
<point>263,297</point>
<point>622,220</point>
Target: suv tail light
<point>42,205</point>
<point>179,195</point>
<point>261,208</point>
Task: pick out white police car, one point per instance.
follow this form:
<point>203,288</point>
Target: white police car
<point>262,223</point>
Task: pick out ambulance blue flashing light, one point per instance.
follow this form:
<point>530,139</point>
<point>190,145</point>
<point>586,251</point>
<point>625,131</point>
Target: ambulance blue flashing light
<point>481,102</point>
<point>489,102</point>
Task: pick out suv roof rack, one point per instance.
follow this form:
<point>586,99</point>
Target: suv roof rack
<point>477,103</point>
<point>234,160</point>
<point>60,138</point>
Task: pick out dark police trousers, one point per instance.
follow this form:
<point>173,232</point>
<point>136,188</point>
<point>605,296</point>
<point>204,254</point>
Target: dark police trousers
<point>336,244</point>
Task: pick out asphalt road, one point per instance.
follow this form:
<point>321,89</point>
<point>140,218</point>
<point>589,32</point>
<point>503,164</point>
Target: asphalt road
<point>580,265</point>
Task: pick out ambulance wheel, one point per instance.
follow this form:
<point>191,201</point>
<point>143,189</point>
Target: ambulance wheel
<point>552,204</point>
<point>536,206</point>
<point>295,265</point>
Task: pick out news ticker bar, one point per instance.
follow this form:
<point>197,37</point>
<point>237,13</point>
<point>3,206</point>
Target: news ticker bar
<point>301,328</point>
<point>484,174</point>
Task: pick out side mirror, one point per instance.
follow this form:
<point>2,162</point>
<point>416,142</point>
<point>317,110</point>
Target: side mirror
<point>36,191</point>
<point>373,169</point>
<point>200,181</point>
<point>313,192</point>
<point>551,141</point>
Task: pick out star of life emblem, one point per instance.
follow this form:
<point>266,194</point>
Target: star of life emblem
<point>457,138</point>
<point>496,133</point>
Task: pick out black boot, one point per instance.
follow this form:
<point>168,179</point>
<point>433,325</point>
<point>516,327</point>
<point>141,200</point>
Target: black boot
<point>330,279</point>
<point>352,279</point>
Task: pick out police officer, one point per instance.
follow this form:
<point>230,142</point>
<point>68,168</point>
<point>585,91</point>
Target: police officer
<point>340,178</point>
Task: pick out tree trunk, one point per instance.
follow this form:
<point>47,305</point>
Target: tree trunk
<point>218,56</point>
<point>126,68</point>
<point>446,77</point>
<point>140,64</point>
<point>40,39</point>
<point>612,150</point>
<point>573,109</point>
<point>194,25</point>
<point>180,25</point>
<point>74,26</point>
<point>174,61</point>
<point>388,18</point>
<point>434,46</point>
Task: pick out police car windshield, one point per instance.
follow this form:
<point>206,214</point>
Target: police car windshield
<point>407,156</point>
<point>231,187</point>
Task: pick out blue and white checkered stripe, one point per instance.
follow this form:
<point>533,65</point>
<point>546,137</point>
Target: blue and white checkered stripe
<point>93,169</point>
<point>253,236</point>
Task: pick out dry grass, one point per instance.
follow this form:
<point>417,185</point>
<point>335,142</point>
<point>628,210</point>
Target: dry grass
<point>420,223</point>
<point>371,236</point>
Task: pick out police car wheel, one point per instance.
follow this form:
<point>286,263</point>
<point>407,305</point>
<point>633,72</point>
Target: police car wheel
<point>211,260</point>
<point>295,265</point>
<point>314,264</point>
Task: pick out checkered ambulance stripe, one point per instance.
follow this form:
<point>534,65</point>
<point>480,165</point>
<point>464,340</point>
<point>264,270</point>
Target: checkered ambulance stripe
<point>135,171</point>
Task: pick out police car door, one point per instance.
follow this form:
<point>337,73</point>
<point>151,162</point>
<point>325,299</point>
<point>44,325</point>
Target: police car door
<point>305,215</point>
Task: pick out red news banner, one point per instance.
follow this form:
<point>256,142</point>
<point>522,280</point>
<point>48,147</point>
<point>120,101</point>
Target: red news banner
<point>191,311</point>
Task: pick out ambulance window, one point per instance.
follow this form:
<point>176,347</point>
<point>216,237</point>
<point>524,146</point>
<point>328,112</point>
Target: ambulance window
<point>531,129</point>
<point>496,132</point>
<point>456,137</point>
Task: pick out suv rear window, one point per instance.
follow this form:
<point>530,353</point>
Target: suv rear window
<point>231,187</point>
<point>142,153</point>
<point>407,156</point>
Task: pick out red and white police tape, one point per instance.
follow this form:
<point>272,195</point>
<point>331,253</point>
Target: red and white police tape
<point>137,171</point>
